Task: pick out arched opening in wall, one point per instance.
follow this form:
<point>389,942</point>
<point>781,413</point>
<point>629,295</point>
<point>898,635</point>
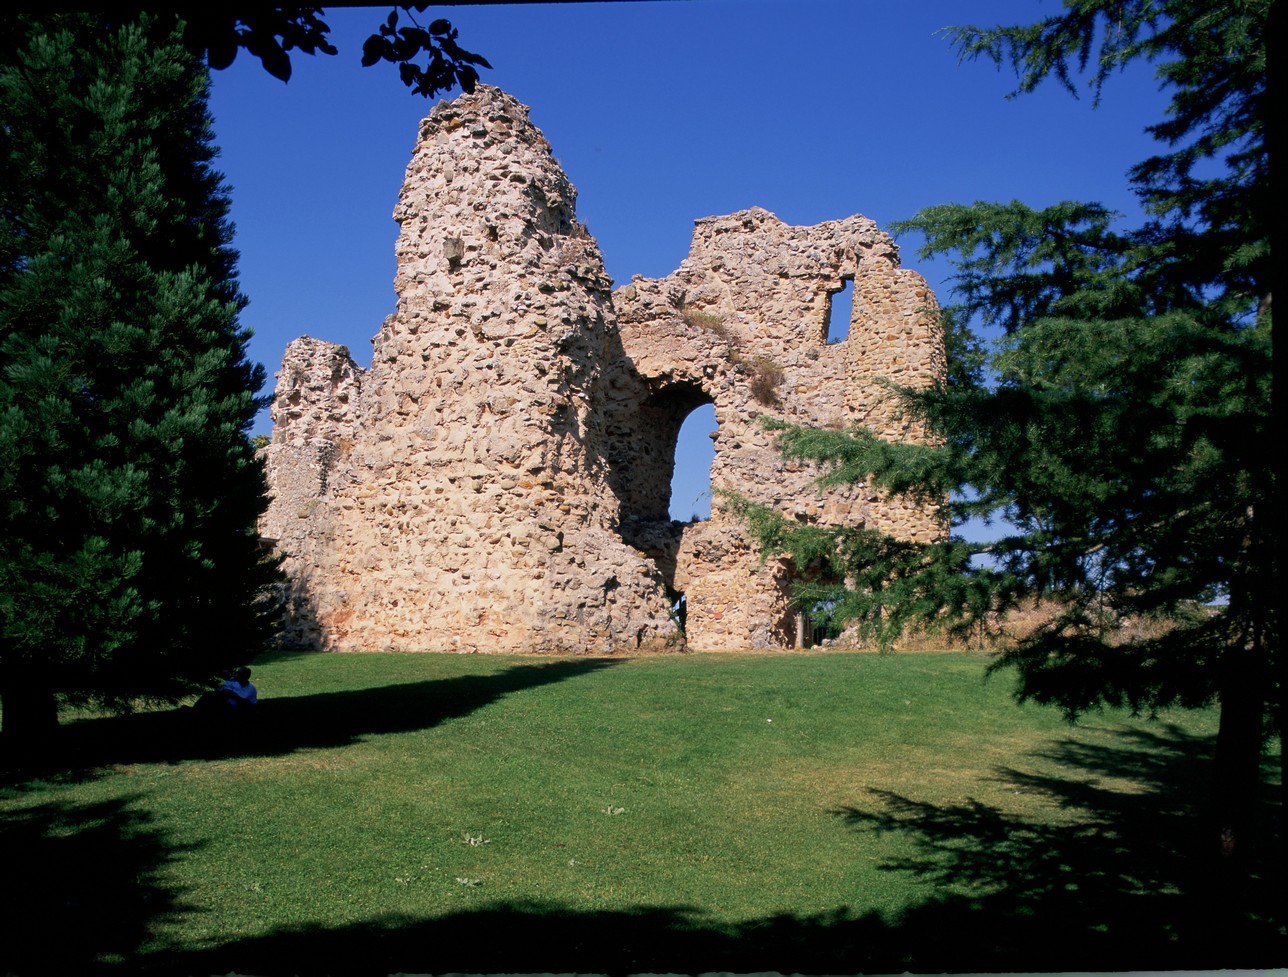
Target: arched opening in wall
<point>690,502</point>
<point>695,450</point>
<point>659,454</point>
<point>840,307</point>
<point>642,451</point>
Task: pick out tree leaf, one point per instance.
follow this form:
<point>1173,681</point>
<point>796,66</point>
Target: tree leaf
<point>276,61</point>
<point>222,50</point>
<point>473,58</point>
<point>467,77</point>
<point>373,49</point>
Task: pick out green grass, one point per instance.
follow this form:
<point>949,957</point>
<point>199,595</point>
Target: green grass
<point>705,812</point>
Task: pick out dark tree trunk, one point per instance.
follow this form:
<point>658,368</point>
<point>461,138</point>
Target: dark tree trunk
<point>1237,767</point>
<point>1277,152</point>
<point>30,721</point>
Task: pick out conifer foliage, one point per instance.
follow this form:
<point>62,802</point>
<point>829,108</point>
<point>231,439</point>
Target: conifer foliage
<point>129,562</point>
<point>1121,431</point>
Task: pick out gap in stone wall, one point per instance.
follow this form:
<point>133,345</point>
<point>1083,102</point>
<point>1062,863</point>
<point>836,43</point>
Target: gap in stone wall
<point>840,307</point>
<point>694,452</point>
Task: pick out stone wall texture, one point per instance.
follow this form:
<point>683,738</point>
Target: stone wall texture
<point>499,480</point>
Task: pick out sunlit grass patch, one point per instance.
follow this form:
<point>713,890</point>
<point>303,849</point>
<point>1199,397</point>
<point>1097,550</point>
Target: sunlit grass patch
<point>743,800</point>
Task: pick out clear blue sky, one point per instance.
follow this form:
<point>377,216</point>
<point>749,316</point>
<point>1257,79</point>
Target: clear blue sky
<point>661,113</point>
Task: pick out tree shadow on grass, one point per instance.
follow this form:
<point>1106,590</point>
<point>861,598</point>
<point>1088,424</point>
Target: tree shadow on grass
<point>82,885</point>
<point>1120,882</point>
<point>278,726</point>
<point>1115,885</point>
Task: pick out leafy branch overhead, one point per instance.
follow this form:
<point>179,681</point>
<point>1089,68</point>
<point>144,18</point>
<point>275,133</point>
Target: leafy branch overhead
<point>268,33</point>
<point>447,63</point>
<point>429,59</point>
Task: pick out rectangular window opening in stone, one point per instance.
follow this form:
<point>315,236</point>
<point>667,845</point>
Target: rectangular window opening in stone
<point>840,307</point>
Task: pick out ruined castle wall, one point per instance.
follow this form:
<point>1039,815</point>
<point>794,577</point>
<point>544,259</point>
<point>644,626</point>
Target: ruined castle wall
<point>895,338</point>
<point>472,510</point>
<point>499,480</point>
<point>316,420</point>
<point>750,305</point>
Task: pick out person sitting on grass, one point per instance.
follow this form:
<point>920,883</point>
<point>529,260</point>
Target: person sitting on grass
<point>238,691</point>
<point>236,695</point>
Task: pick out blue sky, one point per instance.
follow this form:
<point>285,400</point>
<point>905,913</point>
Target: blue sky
<point>661,113</point>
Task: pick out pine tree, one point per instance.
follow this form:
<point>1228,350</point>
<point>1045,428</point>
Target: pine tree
<point>129,563</point>
<point>1122,429</point>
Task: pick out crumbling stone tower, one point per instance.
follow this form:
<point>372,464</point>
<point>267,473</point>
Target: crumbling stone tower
<point>499,480</point>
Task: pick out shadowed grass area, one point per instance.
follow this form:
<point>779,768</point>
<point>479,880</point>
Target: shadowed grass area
<point>807,812</point>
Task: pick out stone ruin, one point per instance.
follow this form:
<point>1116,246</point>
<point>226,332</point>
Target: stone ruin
<point>499,479</point>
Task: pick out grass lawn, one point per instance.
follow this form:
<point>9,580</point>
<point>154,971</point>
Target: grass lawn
<point>793,812</point>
